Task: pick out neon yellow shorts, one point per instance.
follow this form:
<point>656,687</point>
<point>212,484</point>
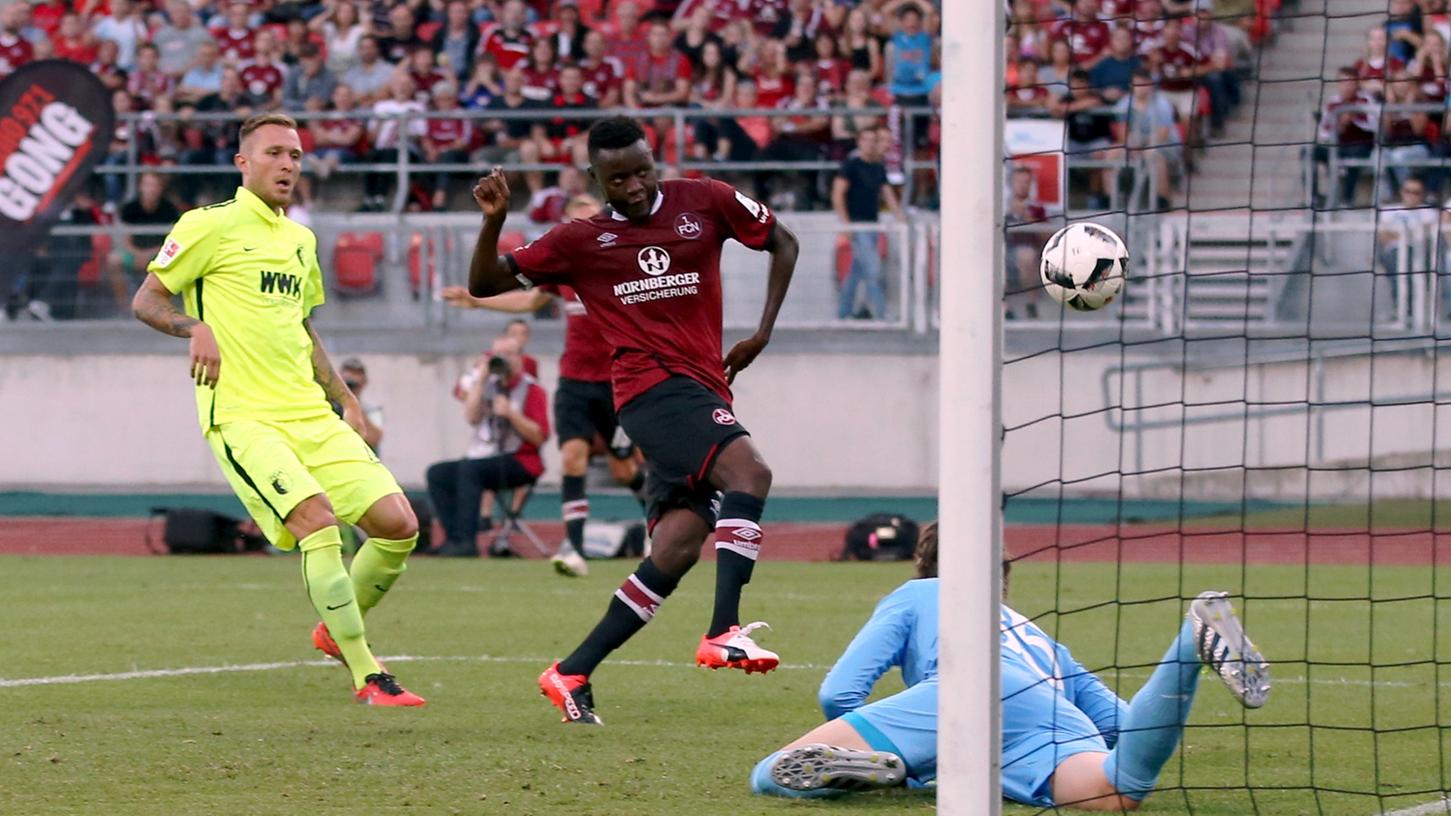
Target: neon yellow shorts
<point>274,466</point>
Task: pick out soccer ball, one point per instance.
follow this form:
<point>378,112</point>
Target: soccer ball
<point>1084,266</point>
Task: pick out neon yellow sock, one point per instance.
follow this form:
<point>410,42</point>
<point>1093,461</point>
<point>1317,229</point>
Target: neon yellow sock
<point>331,591</point>
<point>377,565</point>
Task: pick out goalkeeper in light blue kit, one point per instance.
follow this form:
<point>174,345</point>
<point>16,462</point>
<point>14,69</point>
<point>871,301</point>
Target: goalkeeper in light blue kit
<point>1068,740</point>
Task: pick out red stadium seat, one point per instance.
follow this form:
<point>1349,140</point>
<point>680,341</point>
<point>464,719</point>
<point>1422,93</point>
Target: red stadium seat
<point>90,271</point>
<point>355,262</point>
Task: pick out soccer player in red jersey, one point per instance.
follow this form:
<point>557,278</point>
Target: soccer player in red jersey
<point>648,270</point>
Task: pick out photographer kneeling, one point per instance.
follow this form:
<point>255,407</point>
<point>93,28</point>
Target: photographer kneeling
<point>509,414</point>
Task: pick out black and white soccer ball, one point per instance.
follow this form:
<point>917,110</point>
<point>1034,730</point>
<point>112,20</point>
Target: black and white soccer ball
<point>1084,266</point>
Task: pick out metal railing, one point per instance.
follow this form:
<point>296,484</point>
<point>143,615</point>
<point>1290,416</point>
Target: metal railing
<point>408,165</point>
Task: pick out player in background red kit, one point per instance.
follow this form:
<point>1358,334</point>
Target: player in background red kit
<point>648,270</point>
<point>584,406</point>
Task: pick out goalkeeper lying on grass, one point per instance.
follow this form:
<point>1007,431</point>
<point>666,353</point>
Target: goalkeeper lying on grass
<point>1067,738</point>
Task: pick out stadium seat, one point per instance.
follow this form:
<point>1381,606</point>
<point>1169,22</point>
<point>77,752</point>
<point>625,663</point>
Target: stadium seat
<point>355,262</point>
<point>89,272</point>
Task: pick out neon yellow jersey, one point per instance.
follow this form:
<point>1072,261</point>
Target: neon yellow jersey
<point>251,274</point>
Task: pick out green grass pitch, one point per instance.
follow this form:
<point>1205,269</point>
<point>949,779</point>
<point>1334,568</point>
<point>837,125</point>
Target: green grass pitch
<point>286,739</point>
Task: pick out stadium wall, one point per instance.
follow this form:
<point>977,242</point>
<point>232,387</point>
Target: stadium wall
<point>827,422</point>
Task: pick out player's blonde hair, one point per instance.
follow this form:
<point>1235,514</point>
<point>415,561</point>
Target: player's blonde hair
<point>254,123</point>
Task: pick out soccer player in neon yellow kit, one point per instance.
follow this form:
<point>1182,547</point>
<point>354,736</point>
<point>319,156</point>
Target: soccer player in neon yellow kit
<point>250,279</point>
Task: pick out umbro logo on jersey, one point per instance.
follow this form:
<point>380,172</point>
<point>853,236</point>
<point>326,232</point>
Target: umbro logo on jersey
<point>607,239</point>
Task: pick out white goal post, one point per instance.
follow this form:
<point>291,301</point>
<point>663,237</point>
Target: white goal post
<point>969,497</point>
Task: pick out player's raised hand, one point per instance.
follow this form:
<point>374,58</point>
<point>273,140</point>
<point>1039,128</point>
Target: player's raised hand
<point>206,359</point>
<point>742,354</point>
<point>457,296</point>
<point>492,194</point>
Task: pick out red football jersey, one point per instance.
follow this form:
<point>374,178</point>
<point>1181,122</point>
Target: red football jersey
<point>506,49</point>
<point>441,132</point>
<point>602,77</point>
<point>261,80</point>
<point>236,46</point>
<point>1177,67</point>
<point>1087,39</point>
<point>586,351</point>
<point>14,52</point>
<point>654,288</point>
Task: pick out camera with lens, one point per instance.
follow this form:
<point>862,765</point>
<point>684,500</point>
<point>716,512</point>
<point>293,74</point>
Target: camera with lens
<point>498,367</point>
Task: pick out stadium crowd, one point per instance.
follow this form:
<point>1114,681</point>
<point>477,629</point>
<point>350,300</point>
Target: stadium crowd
<point>363,58</point>
<point>1136,82</point>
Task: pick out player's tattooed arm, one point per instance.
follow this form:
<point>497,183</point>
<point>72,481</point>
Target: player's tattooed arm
<point>784,248</point>
<point>332,384</point>
<point>153,306</point>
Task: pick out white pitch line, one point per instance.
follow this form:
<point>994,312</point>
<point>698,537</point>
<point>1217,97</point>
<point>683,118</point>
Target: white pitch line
<point>147,674</point>
<point>1441,806</point>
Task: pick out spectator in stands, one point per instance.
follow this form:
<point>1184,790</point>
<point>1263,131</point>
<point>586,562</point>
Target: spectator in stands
<point>457,40</point>
<point>342,34</point>
<point>863,50</point>
<point>337,141</point>
<point>845,127</point>
<point>264,75</point>
<point>772,75</point>
<point>742,137</point>
<point>798,27</point>
<point>1090,131</point>
<point>829,68</point>
<point>625,37</point>
<point>798,138</point>
<point>147,83</point>
<point>296,37</point>
<point>1149,18</point>
<point>203,77</point>
<point>105,67</point>
<point>604,76</point>
<point>310,81</point>
<point>1086,34</point>
<point>1375,64</point>
<point>568,36</point>
<point>425,73</point>
<point>1179,68</point>
<point>661,76</point>
<point>126,265</point>
<point>1351,132</point>
<point>517,139</point>
<point>1403,30</point>
<point>509,415</point>
<point>1410,219</point>
<point>123,26</point>
<point>445,140</point>
<point>1022,251</point>
<point>1406,135</point>
<point>401,39</point>
<point>857,196</point>
<point>570,136</point>
<point>712,86</point>
<point>548,205</point>
<point>508,42</point>
<point>52,289</point>
<point>1053,77</point>
<point>73,40</point>
<point>484,85</point>
<point>371,76</point>
<point>1028,96</point>
<point>1144,125</point>
<point>695,32</point>
<point>1113,75</point>
<point>1430,66</point>
<point>180,42</point>
<point>355,376</point>
<point>236,39</point>
<point>385,134</point>
<point>540,72</point>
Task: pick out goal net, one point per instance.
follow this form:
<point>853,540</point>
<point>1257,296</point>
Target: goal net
<point>1263,412</point>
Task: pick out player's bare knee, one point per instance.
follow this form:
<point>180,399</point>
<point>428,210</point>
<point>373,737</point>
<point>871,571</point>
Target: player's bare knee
<point>312,514</point>
<point>574,458</point>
